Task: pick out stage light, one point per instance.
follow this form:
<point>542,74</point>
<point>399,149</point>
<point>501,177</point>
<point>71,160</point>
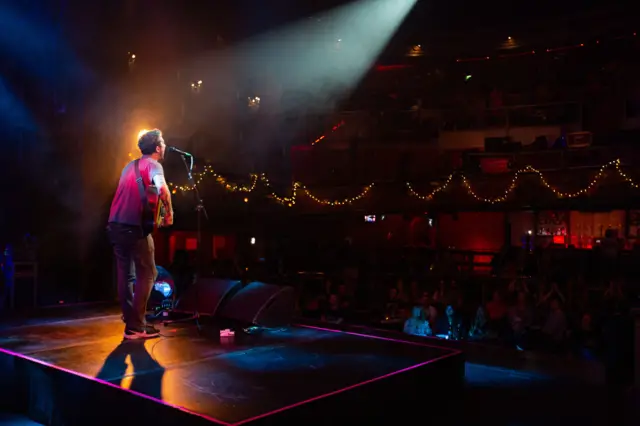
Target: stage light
<point>415,50</point>
<point>135,146</point>
<point>254,102</point>
<point>163,288</point>
<point>338,55</point>
<point>163,292</point>
<point>253,241</point>
<point>509,43</point>
<point>196,86</point>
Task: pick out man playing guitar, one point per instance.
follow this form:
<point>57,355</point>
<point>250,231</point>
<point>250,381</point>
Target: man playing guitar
<point>141,191</point>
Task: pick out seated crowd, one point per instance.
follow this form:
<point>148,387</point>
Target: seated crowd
<point>525,313</point>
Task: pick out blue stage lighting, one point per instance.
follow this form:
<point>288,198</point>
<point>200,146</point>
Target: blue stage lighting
<point>163,288</point>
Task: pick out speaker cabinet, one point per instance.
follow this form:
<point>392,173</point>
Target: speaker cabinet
<point>207,295</point>
<point>265,305</point>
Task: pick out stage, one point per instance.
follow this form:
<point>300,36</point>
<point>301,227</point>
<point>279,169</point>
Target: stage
<point>79,371</point>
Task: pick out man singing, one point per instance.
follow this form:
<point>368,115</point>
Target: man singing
<point>131,239</point>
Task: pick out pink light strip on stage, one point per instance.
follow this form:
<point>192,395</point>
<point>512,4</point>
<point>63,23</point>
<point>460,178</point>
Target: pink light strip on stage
<point>388,339</point>
<point>111,385</point>
<point>453,352</point>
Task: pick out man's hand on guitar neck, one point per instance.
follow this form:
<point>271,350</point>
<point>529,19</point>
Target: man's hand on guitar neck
<point>167,220</point>
<point>165,197</point>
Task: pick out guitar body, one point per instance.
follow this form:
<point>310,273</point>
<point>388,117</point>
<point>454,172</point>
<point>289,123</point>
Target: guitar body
<point>153,210</point>
<point>161,211</point>
<point>154,218</point>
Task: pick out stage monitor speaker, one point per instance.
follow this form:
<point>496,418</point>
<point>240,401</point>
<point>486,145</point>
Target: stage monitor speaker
<point>207,295</point>
<point>261,304</point>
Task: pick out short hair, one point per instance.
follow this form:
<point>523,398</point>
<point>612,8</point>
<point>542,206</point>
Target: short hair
<point>149,141</point>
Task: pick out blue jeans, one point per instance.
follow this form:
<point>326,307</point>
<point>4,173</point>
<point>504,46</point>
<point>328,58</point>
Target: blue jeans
<point>135,258</point>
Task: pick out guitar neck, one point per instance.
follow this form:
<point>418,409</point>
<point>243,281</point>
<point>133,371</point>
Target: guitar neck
<point>160,213</point>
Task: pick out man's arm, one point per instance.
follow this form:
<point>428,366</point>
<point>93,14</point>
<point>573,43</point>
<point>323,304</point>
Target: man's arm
<point>165,196</point>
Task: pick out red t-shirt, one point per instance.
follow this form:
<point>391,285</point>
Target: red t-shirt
<point>126,207</point>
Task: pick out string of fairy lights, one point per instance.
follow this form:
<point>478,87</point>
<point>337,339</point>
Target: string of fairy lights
<point>298,188</point>
<point>207,171</point>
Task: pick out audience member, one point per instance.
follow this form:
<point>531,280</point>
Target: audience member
<point>393,306</point>
<point>478,325</point>
<point>345,299</point>
<point>417,325</point>
<point>402,294</point>
<point>455,324</point>
<point>497,314</point>
<point>555,327</point>
<point>520,316</point>
<point>333,313</point>
<point>414,290</point>
<point>587,338</point>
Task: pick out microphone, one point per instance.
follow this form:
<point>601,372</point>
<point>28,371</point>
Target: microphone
<point>174,149</point>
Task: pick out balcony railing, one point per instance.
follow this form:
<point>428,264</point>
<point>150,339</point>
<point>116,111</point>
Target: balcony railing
<point>555,114</point>
<point>424,126</point>
<point>552,159</point>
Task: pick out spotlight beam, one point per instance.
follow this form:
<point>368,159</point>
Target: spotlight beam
<point>334,49</point>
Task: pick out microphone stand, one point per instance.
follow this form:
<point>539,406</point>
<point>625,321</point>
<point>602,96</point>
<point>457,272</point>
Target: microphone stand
<point>200,212</point>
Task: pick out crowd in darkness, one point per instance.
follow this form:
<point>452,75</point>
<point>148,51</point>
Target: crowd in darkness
<point>538,301</point>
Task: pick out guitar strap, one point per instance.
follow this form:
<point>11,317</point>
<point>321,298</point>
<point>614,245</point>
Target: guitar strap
<point>146,208</point>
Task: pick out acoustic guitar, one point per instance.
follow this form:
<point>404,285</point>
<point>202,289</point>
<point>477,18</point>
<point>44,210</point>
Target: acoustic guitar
<point>153,218</point>
<point>153,209</point>
<point>161,213</point>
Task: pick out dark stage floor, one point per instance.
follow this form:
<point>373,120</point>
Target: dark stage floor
<point>237,380</point>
